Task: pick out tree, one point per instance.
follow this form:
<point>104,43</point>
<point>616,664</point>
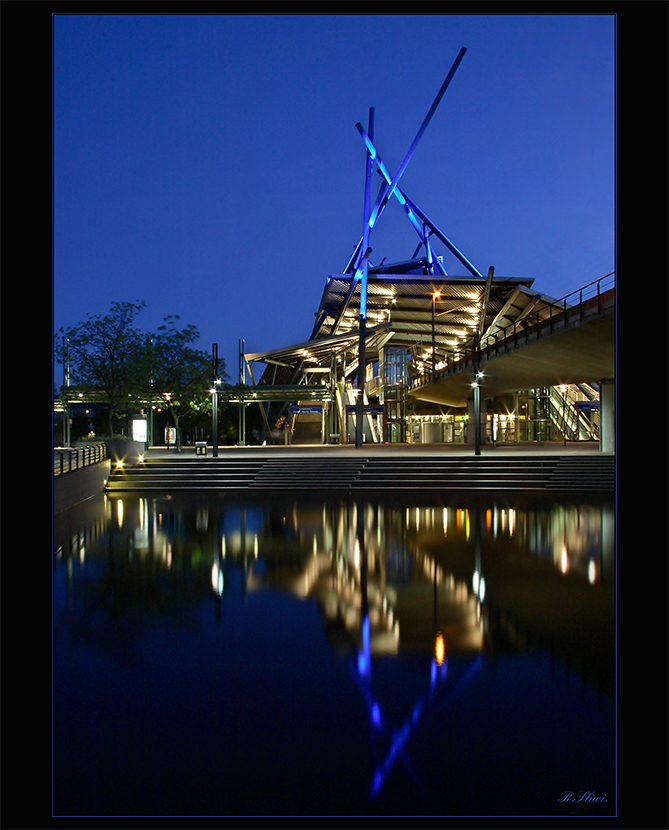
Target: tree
<point>108,354</point>
<point>181,375</point>
<point>102,353</point>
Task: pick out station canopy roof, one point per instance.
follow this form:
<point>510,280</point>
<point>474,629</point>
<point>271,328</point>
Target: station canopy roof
<point>400,301</point>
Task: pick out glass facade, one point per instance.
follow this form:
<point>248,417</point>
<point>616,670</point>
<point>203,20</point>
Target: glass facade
<point>542,414</point>
<point>393,372</point>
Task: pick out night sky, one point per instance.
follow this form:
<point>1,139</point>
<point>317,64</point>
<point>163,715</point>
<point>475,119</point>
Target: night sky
<point>210,165</point>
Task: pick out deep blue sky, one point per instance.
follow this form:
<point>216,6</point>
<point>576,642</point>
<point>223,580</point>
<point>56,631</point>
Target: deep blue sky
<point>210,165</point>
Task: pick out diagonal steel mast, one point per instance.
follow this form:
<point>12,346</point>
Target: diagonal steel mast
<point>386,193</point>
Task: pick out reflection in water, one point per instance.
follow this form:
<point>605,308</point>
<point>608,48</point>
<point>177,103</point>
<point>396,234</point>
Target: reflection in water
<point>451,587</point>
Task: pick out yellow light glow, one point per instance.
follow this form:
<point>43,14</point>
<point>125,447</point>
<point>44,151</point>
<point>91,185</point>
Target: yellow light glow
<point>439,649</point>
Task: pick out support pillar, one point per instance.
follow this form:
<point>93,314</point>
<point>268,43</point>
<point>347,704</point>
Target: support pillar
<point>607,415</point>
<point>476,438</point>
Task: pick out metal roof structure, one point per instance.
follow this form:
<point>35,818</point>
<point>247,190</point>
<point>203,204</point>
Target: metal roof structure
<point>440,319</point>
<point>405,307</point>
<point>414,303</point>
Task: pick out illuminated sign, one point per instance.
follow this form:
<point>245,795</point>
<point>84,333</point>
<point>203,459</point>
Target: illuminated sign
<point>139,430</point>
<point>306,410</point>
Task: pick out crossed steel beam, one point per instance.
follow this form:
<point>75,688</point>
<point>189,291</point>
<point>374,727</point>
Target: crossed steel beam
<point>420,221</point>
<point>358,264</point>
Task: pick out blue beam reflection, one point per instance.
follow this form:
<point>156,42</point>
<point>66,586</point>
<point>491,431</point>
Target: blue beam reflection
<point>362,670</point>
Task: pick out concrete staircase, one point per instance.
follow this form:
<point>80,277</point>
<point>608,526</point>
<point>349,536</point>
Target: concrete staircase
<point>368,473</point>
<point>592,472</point>
<point>314,473</point>
<point>184,474</point>
<point>476,473</point>
<point>307,429</point>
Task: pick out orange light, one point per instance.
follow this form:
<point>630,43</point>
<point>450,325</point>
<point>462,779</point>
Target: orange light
<point>439,649</point>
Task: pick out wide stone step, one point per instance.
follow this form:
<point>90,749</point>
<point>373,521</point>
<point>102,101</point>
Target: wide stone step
<point>593,473</point>
<point>365,473</point>
<point>475,473</point>
<point>184,474</point>
<point>308,473</point>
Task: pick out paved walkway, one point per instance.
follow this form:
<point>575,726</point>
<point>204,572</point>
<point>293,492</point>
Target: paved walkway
<point>530,448</point>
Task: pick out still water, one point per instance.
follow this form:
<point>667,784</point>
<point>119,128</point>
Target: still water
<point>302,656</point>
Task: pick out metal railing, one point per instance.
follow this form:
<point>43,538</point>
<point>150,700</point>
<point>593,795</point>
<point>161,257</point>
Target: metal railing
<point>66,459</point>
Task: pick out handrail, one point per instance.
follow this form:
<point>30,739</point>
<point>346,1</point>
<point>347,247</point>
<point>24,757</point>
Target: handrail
<point>67,459</point>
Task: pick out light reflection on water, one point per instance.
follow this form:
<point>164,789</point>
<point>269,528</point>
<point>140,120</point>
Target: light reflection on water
<point>342,657</point>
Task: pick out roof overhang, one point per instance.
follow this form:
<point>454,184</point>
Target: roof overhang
<point>314,353</point>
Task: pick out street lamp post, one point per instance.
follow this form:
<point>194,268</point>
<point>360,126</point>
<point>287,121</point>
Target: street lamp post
<point>477,419</point>
<point>214,401</point>
<point>477,408</point>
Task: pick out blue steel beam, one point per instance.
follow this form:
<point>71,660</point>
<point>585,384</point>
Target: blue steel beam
<point>419,135</point>
<point>364,265</point>
<point>383,170</point>
<point>385,194</point>
<point>413,211</point>
<point>401,198</point>
<point>440,235</point>
<point>363,270</point>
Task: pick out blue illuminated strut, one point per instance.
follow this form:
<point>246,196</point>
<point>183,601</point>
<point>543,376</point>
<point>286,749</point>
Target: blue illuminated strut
<point>414,212</point>
<point>407,158</point>
<point>399,195</point>
<point>424,227</point>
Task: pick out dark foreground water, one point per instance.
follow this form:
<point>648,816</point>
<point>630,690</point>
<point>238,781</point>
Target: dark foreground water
<point>308,656</point>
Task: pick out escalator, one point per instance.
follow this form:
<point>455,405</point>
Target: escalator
<point>574,411</point>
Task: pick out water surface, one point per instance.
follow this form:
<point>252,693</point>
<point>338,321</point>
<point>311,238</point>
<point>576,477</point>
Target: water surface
<point>309,656</point>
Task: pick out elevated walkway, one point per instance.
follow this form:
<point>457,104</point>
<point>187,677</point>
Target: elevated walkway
<point>576,345</point>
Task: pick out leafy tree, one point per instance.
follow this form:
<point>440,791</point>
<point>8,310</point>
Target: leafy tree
<point>107,353</point>
<point>181,375</point>
<point>102,353</point>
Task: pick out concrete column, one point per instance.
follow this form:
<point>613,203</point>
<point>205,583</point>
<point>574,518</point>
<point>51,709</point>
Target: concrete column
<point>607,415</point>
<point>471,421</point>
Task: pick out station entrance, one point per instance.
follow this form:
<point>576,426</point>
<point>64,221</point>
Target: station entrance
<point>543,414</point>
